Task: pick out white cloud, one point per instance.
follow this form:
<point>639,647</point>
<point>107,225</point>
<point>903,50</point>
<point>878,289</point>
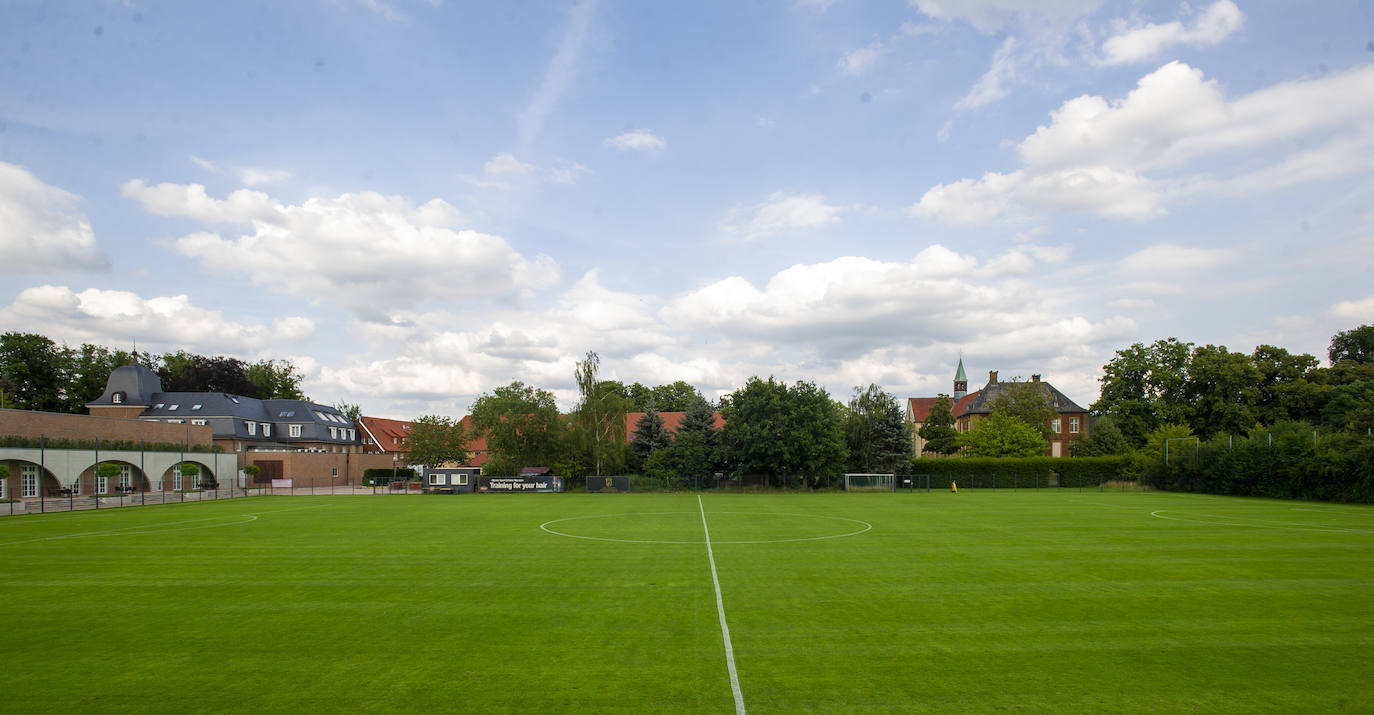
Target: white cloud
<point>204,164</point>
<point>636,140</point>
<point>506,165</point>
<point>1126,158</point>
<point>994,84</point>
<point>364,251</point>
<point>40,230</point>
<point>116,317</point>
<point>780,213</point>
<point>991,15</point>
<point>1218,22</point>
<point>251,176</point>
<point>861,60</point>
<point>1362,310</point>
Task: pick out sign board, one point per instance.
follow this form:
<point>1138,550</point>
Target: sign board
<point>608,484</point>
<point>281,483</point>
<point>547,483</point>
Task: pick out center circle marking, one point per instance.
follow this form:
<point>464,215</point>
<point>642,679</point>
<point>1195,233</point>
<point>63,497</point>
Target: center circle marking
<point>545,526</point>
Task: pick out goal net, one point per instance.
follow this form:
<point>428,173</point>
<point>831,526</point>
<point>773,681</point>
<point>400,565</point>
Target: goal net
<point>868,482</point>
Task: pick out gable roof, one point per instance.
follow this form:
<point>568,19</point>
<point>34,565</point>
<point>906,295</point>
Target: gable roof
<point>386,435</point>
<point>918,408</point>
<point>981,402</point>
<point>961,407</point>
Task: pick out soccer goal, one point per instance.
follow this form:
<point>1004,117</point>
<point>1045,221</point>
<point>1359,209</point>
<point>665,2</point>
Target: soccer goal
<point>868,483</point>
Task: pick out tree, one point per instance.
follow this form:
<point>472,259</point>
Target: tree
<point>1001,435</point>
<point>252,471</point>
<point>435,440</point>
<point>1028,402</point>
<point>521,425</point>
<point>276,380</point>
<point>1223,388</point>
<point>599,419</point>
<point>938,428</point>
<point>88,369</point>
<point>1286,389</point>
<point>350,410</point>
<point>696,446</point>
<point>1162,437</point>
<point>35,371</point>
<point>1103,440</point>
<point>1145,386</point>
<point>876,434</point>
<point>674,397</point>
<point>186,372</point>
<point>110,470</point>
<point>650,435</point>
<point>1356,344</point>
<point>783,432</point>
<point>190,471</point>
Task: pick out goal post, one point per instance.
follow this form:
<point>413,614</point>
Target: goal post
<point>868,483</point>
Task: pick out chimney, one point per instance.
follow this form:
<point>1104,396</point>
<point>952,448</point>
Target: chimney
<point>992,377</point>
<point>1035,378</point>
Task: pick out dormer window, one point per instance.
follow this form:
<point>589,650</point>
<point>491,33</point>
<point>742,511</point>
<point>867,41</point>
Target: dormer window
<point>117,398</point>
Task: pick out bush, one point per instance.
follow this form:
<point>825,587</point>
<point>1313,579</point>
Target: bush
<point>113,445</point>
<point>1019,472</point>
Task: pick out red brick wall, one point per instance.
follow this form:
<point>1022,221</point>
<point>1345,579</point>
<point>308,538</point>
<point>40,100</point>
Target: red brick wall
<point>23,423</point>
<point>318,468</point>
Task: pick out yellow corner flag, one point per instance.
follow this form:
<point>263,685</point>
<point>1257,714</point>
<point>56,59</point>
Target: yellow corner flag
<point>954,487</point>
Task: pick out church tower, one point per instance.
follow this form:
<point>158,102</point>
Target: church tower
<point>960,381</point>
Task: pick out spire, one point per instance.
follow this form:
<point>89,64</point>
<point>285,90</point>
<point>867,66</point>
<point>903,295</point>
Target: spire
<point>960,380</point>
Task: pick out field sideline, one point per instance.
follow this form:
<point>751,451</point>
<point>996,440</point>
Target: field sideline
<point>938,602</point>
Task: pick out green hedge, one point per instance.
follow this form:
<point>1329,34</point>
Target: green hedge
<point>113,445</point>
<point>1018,473</point>
<point>1291,465</point>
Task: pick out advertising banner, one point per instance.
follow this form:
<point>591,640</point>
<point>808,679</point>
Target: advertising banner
<point>520,484</point>
<point>608,484</point>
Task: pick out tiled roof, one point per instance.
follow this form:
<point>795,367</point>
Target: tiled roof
<point>478,454</point>
<point>962,405</point>
<point>386,435</point>
<point>671,421</point>
<point>982,404</point>
<point>918,408</point>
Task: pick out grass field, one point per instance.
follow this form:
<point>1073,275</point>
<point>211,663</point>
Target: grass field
<point>977,601</point>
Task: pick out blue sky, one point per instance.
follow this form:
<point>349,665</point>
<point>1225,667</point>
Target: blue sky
<point>417,202</point>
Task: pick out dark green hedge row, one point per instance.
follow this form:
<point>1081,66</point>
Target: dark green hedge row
<point>113,445</point>
<point>1023,473</point>
<point>1293,466</point>
<point>384,475</point>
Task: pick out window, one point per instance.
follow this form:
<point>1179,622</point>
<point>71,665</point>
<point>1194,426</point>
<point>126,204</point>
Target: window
<point>172,408</point>
<point>321,416</point>
<point>102,484</point>
<point>294,430</point>
<point>434,479</point>
<point>159,405</point>
<point>252,428</point>
<point>195,407</point>
<point>352,435</point>
<point>335,474</point>
<point>29,485</point>
<point>174,422</point>
<point>197,422</point>
<point>266,429</point>
<point>333,432</point>
<point>233,399</point>
<point>3,487</point>
<point>1054,425</point>
<point>463,479</point>
<point>117,398</point>
<point>287,413</point>
<point>75,487</point>
<point>1073,425</point>
<point>176,478</point>
<point>126,479</point>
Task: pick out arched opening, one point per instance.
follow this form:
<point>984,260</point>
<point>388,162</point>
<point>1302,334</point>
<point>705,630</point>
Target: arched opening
<point>111,477</point>
<point>28,480</point>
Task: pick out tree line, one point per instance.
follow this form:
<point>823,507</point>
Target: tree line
<point>784,434</point>
<point>39,374</point>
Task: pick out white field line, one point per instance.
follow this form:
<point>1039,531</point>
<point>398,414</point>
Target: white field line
<point>720,609</point>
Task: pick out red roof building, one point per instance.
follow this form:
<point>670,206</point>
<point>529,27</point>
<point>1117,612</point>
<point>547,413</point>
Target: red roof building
<point>384,436</point>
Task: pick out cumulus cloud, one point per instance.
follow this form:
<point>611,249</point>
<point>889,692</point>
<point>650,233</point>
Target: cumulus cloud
<point>1126,158</point>
<point>781,213</point>
<point>637,140</point>
<point>114,317</point>
<point>1362,310</point>
<point>364,251</point>
<point>1213,25</point>
<point>40,229</point>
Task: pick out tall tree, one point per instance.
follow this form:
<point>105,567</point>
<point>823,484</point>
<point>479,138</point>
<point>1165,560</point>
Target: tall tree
<point>350,410</point>
<point>1145,386</point>
<point>187,372</point>
<point>674,397</point>
<point>698,441</point>
<point>435,440</point>
<point>1001,435</point>
<point>521,425</point>
<point>89,369</point>
<point>1356,344</point>
<point>599,419</point>
<point>876,434</point>
<point>938,428</point>
<point>782,432</point>
<point>1286,388</point>
<point>1028,402</point>
<point>35,372</point>
<point>650,434</point>
<point>1223,388</point>
<point>275,380</point>
<point>1103,440</point>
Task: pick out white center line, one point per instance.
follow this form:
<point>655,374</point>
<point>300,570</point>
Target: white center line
<point>720,608</point>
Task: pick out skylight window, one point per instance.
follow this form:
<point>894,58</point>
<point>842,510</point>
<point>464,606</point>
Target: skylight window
<point>159,405</point>
<point>172,408</point>
<point>287,413</point>
<point>195,407</point>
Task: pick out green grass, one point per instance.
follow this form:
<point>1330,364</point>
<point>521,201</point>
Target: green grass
<point>977,601</point>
